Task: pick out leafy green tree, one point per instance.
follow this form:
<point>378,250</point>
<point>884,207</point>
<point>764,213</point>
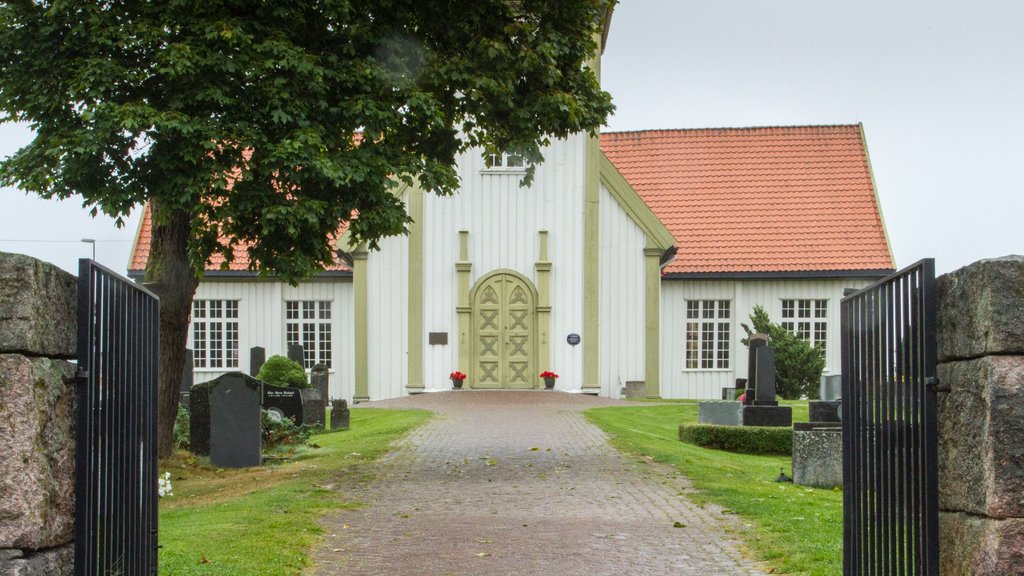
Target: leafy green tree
<point>798,365</point>
<point>283,371</point>
<point>235,120</point>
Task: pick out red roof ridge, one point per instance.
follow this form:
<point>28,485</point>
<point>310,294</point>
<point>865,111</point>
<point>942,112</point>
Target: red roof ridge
<point>746,130</point>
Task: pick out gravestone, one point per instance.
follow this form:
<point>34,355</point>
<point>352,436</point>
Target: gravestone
<point>319,379</point>
<point>340,415</point>
<point>755,343</point>
<point>257,356</point>
<point>818,454</point>
<point>186,378</point>
<point>312,407</point>
<point>636,389</point>
<point>764,376</point>
<point>720,412</point>
<point>282,402</point>
<point>830,387</point>
<point>823,411</point>
<point>296,353</point>
<point>225,420</point>
<point>765,410</point>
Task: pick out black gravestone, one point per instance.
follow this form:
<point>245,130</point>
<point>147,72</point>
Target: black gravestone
<point>296,353</point>
<point>257,356</point>
<point>282,402</point>
<point>312,407</point>
<point>319,380</point>
<point>225,422</point>
<point>340,415</point>
<point>823,411</point>
<point>764,375</point>
<point>756,342</point>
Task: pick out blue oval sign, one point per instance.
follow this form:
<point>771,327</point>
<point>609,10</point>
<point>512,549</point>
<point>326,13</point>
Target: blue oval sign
<point>573,339</point>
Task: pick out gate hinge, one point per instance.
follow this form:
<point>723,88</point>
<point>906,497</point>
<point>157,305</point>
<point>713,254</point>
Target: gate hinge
<point>933,383</point>
<point>81,377</point>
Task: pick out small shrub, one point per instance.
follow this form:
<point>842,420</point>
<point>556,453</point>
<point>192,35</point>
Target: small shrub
<point>181,424</point>
<point>280,371</point>
<point>741,439</point>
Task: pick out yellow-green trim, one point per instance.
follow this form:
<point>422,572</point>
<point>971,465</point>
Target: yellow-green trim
<point>482,281</point>
<point>652,326</point>
<point>463,308</point>
<point>543,267</point>
<point>361,336</point>
<point>657,234</point>
<point>592,268</point>
<point>415,281</point>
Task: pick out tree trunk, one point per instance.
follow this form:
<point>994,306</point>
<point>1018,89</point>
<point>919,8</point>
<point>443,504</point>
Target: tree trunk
<point>169,274</point>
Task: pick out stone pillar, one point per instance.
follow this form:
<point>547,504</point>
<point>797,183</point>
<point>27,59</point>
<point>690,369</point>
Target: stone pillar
<point>38,303</point>
<point>981,418</point>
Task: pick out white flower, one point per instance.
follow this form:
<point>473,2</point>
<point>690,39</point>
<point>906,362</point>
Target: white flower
<point>163,485</point>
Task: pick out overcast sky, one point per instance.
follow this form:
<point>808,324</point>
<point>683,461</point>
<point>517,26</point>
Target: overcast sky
<point>939,87</point>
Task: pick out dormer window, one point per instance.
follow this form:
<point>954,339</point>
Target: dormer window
<point>504,162</point>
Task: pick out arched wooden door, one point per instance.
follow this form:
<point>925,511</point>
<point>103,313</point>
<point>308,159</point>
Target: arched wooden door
<point>503,333</point>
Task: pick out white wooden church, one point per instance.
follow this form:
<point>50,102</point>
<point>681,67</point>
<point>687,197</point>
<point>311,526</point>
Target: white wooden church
<point>633,257</point>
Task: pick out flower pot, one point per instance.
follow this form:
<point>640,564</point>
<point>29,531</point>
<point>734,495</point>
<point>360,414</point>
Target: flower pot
<point>456,384</point>
<point>549,383</point>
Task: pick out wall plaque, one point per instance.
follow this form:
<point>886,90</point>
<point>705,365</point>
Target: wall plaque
<point>573,339</point>
<point>437,338</point>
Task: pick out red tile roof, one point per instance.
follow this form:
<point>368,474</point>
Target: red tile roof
<point>140,252</point>
<point>758,200</point>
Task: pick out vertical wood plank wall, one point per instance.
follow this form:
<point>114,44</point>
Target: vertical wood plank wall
<point>677,382</point>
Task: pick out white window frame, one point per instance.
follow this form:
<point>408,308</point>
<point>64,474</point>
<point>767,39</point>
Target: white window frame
<point>311,321</point>
<point>708,335</point>
<point>807,319</point>
<point>215,334</point>
<point>504,162</point>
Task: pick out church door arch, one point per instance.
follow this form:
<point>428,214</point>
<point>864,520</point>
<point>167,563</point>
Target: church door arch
<point>504,322</point>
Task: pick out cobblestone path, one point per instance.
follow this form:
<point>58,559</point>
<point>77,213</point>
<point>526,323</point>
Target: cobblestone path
<point>519,483</point>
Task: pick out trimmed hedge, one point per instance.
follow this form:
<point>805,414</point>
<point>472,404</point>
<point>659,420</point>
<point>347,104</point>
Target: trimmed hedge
<point>741,439</point>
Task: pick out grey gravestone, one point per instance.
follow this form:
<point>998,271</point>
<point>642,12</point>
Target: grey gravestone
<point>312,407</point>
<point>297,353</point>
<point>636,389</point>
<point>225,421</point>
<point>340,415</point>
<point>817,456</point>
<point>257,356</point>
<point>319,379</point>
<point>730,393</point>
<point>720,412</point>
<point>831,387</point>
<point>186,378</point>
<point>764,375</point>
<point>756,342</point>
<point>282,402</point>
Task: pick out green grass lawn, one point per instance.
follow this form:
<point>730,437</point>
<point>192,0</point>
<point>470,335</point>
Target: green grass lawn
<point>263,521</point>
<point>797,530</point>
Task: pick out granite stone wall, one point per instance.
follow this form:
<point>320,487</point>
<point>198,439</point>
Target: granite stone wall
<point>981,418</point>
<point>37,448</point>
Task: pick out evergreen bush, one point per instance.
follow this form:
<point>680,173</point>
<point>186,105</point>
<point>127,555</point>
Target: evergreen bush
<point>281,371</point>
<point>798,365</point>
<point>741,439</point>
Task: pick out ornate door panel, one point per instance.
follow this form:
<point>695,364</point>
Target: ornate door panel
<point>503,319</point>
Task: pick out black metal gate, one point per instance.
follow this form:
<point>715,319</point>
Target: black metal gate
<point>890,497</point>
<point>116,451</point>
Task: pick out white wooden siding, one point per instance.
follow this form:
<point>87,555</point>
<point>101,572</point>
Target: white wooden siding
<point>503,220</point>
<point>677,382</point>
<point>387,287</point>
<point>261,322</point>
<point>622,295</point>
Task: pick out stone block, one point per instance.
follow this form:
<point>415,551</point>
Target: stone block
<point>37,452</point>
<point>720,412</point>
<point>340,415</point>
<point>38,304</point>
<point>980,546</point>
<point>59,561</point>
<point>981,309</point>
<point>981,436</point>
<point>313,407</point>
<point>768,416</point>
<point>830,387</point>
<point>818,457</point>
<point>225,420</point>
<point>636,389</point>
<point>822,411</point>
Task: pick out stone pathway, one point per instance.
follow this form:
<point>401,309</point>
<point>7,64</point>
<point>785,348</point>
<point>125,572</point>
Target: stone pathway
<point>520,483</point>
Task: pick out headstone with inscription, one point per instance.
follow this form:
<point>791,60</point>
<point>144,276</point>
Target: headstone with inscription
<point>282,402</point>
<point>340,415</point>
<point>225,420</point>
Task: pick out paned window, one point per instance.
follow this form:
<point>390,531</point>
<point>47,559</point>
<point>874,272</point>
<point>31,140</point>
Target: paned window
<point>504,161</point>
<point>308,322</point>
<point>215,333</point>
<point>708,333</point>
<point>808,319</point>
